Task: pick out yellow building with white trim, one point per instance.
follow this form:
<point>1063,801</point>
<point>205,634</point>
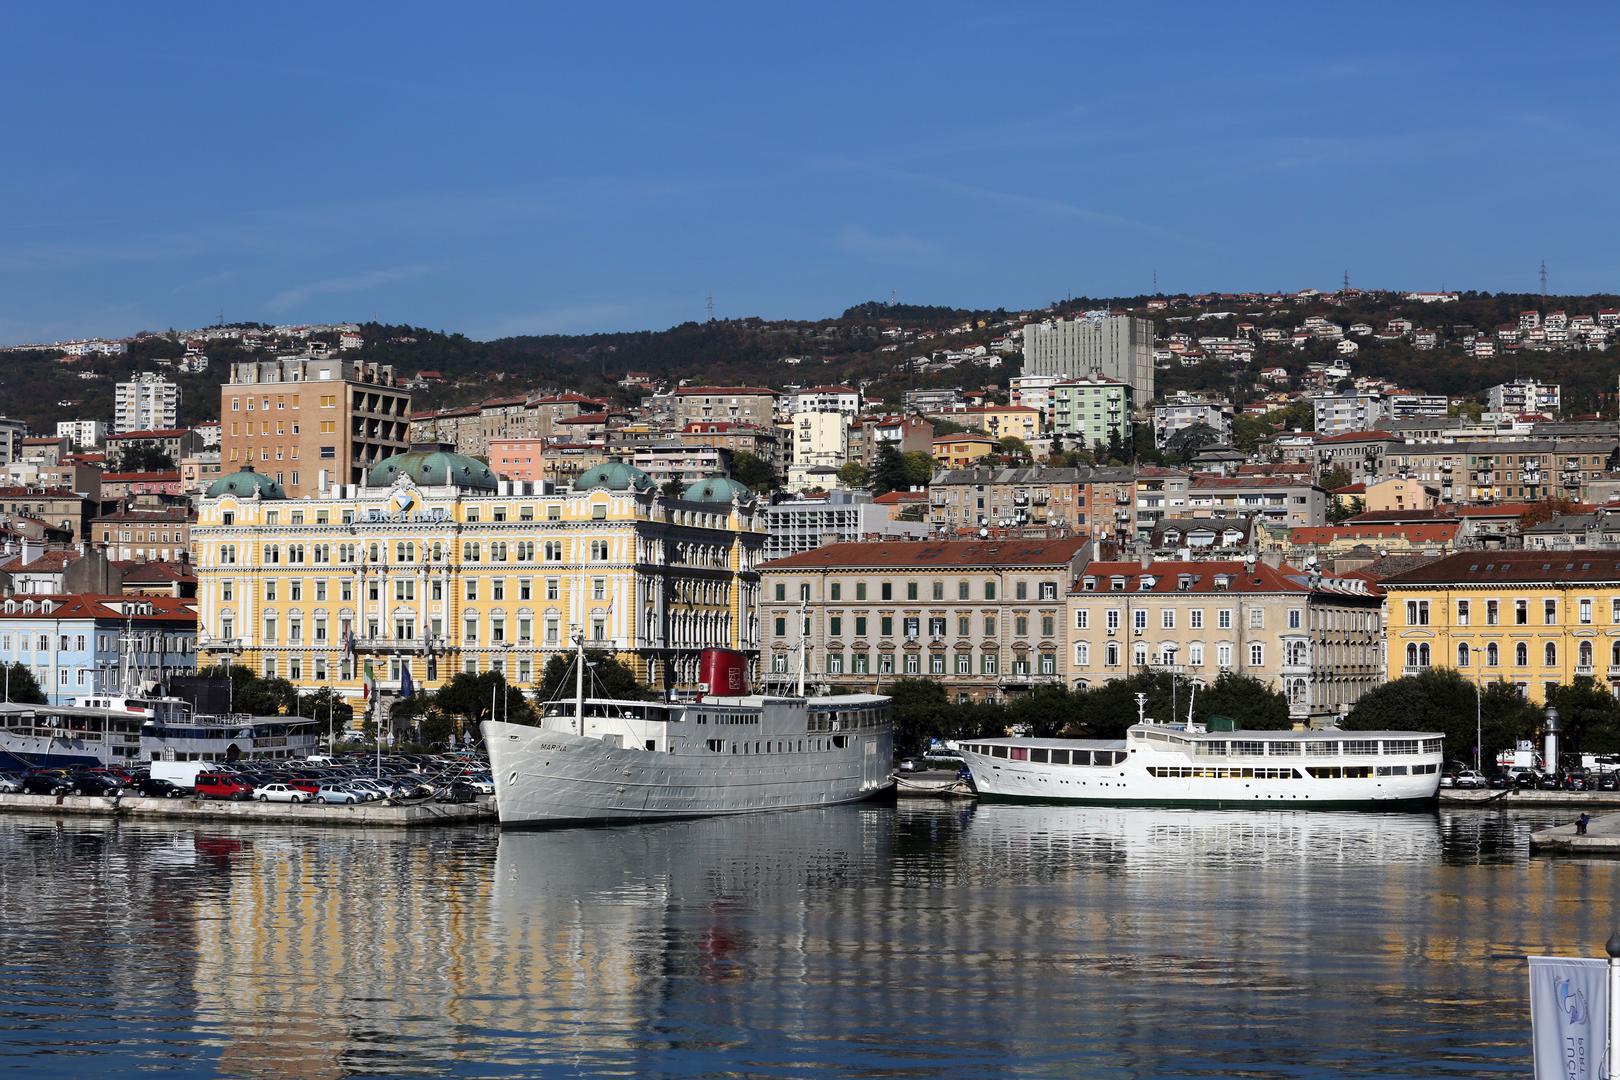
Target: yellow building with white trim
<point>1534,619</point>
<point>438,566</point>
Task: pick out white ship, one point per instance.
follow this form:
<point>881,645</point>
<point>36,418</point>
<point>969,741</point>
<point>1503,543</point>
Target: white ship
<point>1185,765</point>
<point>607,760</point>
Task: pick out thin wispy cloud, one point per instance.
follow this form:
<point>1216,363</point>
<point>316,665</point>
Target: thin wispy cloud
<point>1013,199</point>
<point>350,283</point>
<point>894,247</point>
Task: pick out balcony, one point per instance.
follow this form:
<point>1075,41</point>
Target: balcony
<point>1584,669</point>
<point>220,645</point>
<point>397,645</point>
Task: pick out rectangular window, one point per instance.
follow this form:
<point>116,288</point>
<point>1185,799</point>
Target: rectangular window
<point>989,664</point>
<point>1586,611</point>
<point>781,592</point>
<point>1521,612</point>
<point>1195,654</point>
<point>1493,612</point>
<point>860,590</point>
<point>860,626</point>
<point>1223,618</point>
<point>835,626</point>
<point>1549,612</point>
<point>1139,619</point>
<point>913,664</point>
<point>1167,619</point>
<point>835,591</point>
<point>886,589</point>
<point>936,663</point>
<point>989,590</point>
<point>911,590</point>
<point>1223,655</point>
<point>1295,617</point>
<point>1082,619</point>
<point>1082,654</point>
<point>1195,618</point>
<point>964,664</point>
<point>1257,618</point>
<point>886,626</point>
<point>1462,613</point>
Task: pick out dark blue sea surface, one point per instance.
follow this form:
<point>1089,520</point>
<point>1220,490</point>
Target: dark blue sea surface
<point>930,941</point>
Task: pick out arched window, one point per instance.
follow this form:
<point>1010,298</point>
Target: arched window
<point>1585,654</point>
<point>1492,655</point>
<point>1552,654</point>
<point>1462,655</point>
<point>1141,654</point>
<point>1423,655</point>
<point>1521,655</point>
<point>1411,656</point>
<point>1614,654</point>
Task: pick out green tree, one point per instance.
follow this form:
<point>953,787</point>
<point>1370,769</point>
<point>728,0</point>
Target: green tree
<point>1440,699</point>
<point>1047,710</point>
<point>1344,509</point>
<point>889,472</point>
<point>1014,447</point>
<point>852,474</point>
<point>921,711</point>
<point>947,427</point>
<point>1185,444</point>
<point>469,699</point>
<point>1336,478</point>
<point>919,466</point>
<point>21,686</point>
<point>754,473</point>
<point>605,677</point>
<point>144,457</point>
<point>1106,710</point>
<point>1249,701</point>
<point>1588,716</point>
<point>671,489</point>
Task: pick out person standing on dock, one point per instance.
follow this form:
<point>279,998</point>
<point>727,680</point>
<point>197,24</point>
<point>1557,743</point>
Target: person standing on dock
<point>1581,823</point>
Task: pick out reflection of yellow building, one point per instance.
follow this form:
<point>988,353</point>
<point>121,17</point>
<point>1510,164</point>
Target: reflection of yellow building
<point>1533,619</point>
<point>438,566</point>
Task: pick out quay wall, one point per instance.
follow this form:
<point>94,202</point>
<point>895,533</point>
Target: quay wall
<point>373,815</point>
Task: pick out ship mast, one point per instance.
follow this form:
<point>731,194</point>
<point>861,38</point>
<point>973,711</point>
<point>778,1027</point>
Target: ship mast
<point>579,682</point>
<point>804,616</point>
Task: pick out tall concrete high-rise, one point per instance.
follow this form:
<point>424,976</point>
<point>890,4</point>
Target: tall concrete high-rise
<point>1113,346</point>
<point>148,402</point>
<point>305,421</point>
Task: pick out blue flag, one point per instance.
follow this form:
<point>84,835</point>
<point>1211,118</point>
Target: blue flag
<point>405,687</point>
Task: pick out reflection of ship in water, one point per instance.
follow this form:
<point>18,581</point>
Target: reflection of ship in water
<point>1156,838</point>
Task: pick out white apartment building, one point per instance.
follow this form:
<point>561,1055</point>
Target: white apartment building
<point>1523,396</point>
<point>839,517</point>
<point>148,402</point>
<point>1184,410</point>
<point>825,399</point>
<point>83,434</point>
<point>1337,414</point>
<point>820,446</point>
<point>12,434</point>
<point>1115,346</point>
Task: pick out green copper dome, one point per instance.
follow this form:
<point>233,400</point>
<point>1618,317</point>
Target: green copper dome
<point>245,485</point>
<point>614,475</point>
<point>717,489</point>
<point>432,468</point>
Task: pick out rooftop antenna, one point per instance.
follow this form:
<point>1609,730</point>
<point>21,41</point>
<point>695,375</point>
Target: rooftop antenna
<point>1543,281</point>
<point>894,297</point>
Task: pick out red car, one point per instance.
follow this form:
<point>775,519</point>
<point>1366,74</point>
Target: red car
<point>221,786</point>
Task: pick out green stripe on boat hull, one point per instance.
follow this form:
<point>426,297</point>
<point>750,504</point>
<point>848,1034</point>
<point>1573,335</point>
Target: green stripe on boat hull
<point>1424,805</point>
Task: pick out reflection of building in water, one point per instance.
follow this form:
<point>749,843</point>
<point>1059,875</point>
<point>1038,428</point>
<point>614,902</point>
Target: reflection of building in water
<point>1005,939</point>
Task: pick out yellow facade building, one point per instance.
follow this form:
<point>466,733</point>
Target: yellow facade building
<point>437,566</point>
<point>1530,618</point>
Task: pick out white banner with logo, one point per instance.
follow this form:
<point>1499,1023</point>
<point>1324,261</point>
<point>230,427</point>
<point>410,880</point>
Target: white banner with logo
<point>1569,1010</point>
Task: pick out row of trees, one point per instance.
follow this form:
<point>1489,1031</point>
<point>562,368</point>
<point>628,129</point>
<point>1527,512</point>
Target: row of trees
<point>1442,700</point>
<point>923,709</point>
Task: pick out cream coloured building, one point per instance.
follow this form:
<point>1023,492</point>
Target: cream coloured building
<point>1315,639</point>
<point>436,565</point>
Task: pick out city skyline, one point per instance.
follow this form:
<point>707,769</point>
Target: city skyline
<point>490,177</point>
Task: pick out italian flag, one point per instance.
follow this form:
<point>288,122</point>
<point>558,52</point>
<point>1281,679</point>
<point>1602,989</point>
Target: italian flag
<point>370,683</point>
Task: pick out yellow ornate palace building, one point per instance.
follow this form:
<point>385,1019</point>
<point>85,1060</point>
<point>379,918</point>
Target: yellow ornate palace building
<point>1531,618</point>
<point>437,566</point>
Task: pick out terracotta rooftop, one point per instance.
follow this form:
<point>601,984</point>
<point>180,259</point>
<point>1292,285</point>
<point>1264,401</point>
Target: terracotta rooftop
<point>1513,568</point>
<point>1416,534</point>
<point>1200,576</point>
<point>168,609</point>
<point>711,391</point>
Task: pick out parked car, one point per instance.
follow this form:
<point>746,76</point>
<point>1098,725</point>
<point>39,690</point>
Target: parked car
<point>1577,780</point>
<point>1609,781</point>
<point>96,784</point>
<point>1548,782</point>
<point>47,782</point>
<point>456,792</point>
<point>1499,780</point>
<point>155,787</point>
<point>484,785</point>
<point>222,786</point>
<point>1468,778</point>
<point>279,792</point>
<point>333,793</point>
<point>10,783</point>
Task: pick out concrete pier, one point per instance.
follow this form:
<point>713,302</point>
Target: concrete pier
<point>361,815</point>
<point>1591,800</point>
<point>1602,838</point>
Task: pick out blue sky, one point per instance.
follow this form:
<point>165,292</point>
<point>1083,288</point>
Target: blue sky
<point>500,169</point>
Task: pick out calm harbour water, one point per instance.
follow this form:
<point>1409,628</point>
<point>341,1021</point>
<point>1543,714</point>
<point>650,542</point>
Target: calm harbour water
<point>873,941</point>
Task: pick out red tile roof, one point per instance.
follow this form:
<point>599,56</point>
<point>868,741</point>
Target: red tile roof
<point>894,498</point>
<point>163,477</point>
<point>1416,534</point>
<point>1514,567</point>
<point>169,609</point>
<point>932,555</point>
<point>155,433</point>
<point>1167,577</point>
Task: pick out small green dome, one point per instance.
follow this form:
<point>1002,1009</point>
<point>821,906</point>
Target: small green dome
<point>246,484</point>
<point>614,475</point>
<point>432,468</point>
<point>717,489</point>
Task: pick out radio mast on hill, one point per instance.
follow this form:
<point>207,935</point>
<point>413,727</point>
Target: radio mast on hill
<point>709,303</point>
<point>1543,281</point>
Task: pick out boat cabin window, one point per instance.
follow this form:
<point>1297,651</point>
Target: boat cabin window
<point>1039,755</point>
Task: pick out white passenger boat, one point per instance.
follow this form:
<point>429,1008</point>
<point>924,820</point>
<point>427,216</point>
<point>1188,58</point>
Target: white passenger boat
<point>1185,765</point>
<point>606,760</point>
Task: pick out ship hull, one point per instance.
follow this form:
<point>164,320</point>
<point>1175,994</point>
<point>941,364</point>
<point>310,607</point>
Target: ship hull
<point>545,778</point>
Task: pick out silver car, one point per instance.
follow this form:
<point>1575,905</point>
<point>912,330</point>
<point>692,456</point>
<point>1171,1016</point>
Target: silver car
<point>333,793</point>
